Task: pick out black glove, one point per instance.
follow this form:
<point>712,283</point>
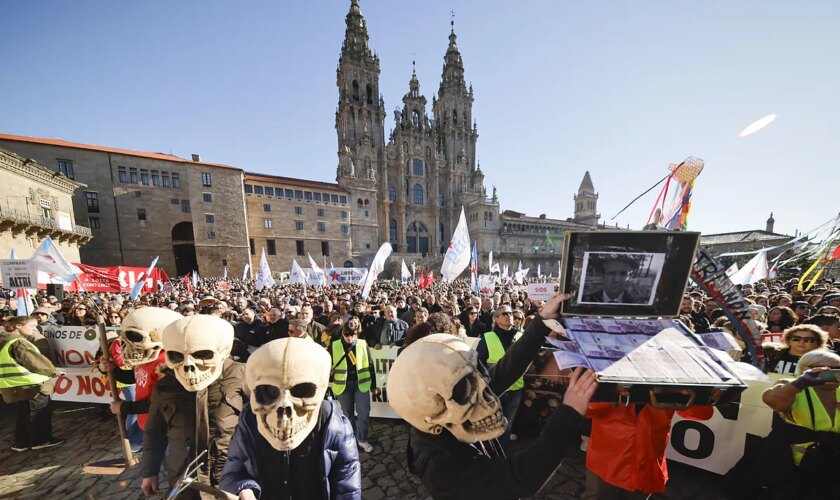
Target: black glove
<point>809,378</point>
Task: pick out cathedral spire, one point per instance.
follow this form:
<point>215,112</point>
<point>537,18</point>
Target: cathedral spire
<point>586,186</point>
<point>356,35</point>
<point>453,65</point>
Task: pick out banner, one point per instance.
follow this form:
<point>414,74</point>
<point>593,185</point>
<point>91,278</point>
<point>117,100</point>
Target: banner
<point>110,279</point>
<point>74,352</point>
<point>382,360</point>
<point>486,284</point>
<point>717,444</point>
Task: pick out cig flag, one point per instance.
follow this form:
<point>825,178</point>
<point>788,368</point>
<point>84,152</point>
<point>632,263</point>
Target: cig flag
<point>474,270</point>
<point>264,278</point>
<point>297,275</point>
<point>316,269</point>
<point>457,256</point>
<point>376,267</point>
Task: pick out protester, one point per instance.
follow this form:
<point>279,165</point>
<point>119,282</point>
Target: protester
<point>354,379</point>
<point>796,341</point>
<point>25,374</point>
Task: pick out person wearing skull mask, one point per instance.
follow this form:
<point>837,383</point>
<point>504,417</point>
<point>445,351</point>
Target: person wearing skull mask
<point>291,443</point>
<point>438,386</point>
<point>354,379</point>
<point>197,409</point>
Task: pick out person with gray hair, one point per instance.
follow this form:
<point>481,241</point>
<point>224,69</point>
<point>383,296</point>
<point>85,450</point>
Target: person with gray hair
<point>810,401</point>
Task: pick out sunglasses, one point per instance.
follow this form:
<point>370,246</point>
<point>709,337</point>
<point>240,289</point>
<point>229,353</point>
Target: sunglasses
<point>807,340</point>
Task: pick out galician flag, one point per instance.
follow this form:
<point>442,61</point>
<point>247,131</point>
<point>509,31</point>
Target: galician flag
<point>404,273</point>
<point>264,278</point>
<point>376,267</point>
<point>457,256</point>
<point>245,271</point>
<point>48,260</point>
<point>297,275</point>
<point>754,270</point>
<point>316,269</point>
<point>141,280</point>
<point>732,269</point>
<point>474,270</point>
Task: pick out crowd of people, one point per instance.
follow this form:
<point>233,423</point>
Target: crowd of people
<point>801,329</point>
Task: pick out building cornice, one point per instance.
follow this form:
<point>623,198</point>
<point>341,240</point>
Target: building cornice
<point>32,170</point>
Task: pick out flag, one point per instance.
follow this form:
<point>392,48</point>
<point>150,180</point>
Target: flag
<point>224,276</point>
<point>732,269</point>
<point>141,280</point>
<point>519,275</point>
<point>414,270</point>
<point>264,278</point>
<point>404,274</point>
<point>474,270</point>
<point>245,271</point>
<point>457,256</point>
<point>490,261</point>
<point>186,281</point>
<point>332,266</point>
<point>297,275</point>
<point>316,269</point>
<point>24,302</point>
<point>539,271</point>
<point>195,279</point>
<point>48,259</point>
<point>754,270</point>
<point>505,271</point>
<point>520,266</point>
<point>427,280</point>
<point>376,267</point>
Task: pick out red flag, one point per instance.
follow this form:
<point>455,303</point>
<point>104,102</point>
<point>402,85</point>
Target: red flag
<point>186,281</point>
<point>836,254</point>
<point>426,281</point>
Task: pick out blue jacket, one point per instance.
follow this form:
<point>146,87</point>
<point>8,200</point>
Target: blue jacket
<point>250,458</point>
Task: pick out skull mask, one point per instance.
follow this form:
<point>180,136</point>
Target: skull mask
<point>435,384</point>
<point>196,349</point>
<point>140,334</point>
<point>287,379</point>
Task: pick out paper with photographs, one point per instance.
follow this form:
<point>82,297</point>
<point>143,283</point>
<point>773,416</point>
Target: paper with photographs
<point>644,351</point>
<point>626,273</point>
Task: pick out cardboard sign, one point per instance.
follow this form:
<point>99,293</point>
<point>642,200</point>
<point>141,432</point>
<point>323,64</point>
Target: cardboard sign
<point>82,385</point>
<point>18,273</point>
<point>540,291</point>
<point>382,359</point>
<point>74,346</point>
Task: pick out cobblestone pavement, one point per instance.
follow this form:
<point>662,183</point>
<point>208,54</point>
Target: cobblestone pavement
<point>58,472</point>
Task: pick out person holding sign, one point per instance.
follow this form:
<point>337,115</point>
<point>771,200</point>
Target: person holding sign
<point>25,382</point>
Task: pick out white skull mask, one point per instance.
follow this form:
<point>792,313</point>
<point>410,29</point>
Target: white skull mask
<point>435,384</point>
<point>287,379</point>
<point>141,332</point>
<point>196,348</point>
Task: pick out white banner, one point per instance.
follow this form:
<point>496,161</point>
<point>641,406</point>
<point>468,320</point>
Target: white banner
<point>540,291</point>
<point>486,284</point>
<point>74,351</point>
<point>382,359</point>
<point>717,444</point>
<point>82,385</point>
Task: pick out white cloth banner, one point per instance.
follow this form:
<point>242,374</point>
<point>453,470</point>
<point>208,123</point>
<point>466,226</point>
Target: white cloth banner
<point>458,254</point>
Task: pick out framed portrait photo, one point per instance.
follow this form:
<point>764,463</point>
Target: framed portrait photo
<point>626,273</point>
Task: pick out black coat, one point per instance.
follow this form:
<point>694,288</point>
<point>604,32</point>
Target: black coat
<point>456,470</point>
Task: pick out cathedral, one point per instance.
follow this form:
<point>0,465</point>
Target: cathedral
<point>409,189</point>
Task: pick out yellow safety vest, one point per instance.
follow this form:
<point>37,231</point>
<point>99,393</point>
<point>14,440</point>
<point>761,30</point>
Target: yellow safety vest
<point>802,417</point>
<point>14,375</point>
<point>496,350</point>
<point>362,367</point>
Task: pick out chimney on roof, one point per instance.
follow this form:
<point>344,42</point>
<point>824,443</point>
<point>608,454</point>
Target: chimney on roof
<point>542,216</point>
<point>770,223</point>
<point>196,157</point>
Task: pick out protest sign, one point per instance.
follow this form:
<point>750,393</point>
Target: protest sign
<point>74,346</point>
<point>82,385</point>
<point>486,284</point>
<point>717,444</point>
<point>382,359</point>
<point>18,273</point>
<point>540,291</point>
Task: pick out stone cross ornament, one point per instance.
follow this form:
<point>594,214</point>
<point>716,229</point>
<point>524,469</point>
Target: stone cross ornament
<point>435,384</point>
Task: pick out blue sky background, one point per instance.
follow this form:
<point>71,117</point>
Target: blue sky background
<point>618,88</point>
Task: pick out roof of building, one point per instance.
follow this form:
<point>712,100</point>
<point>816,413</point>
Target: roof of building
<point>519,216</point>
<point>740,237</point>
<point>254,177</point>
<point>104,149</point>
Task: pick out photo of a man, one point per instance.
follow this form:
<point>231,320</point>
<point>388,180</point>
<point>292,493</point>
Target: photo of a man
<point>620,277</point>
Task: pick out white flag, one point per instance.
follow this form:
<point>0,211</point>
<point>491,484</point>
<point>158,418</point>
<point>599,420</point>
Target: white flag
<point>195,279</point>
<point>490,261</point>
<point>376,267</point>
<point>404,273</point>
<point>505,271</point>
<point>457,256</point>
<point>48,260</point>
<point>297,275</point>
<point>264,278</point>
<point>314,265</point>
<point>224,276</point>
<point>754,270</point>
<point>732,269</point>
<point>519,276</point>
<point>539,271</point>
<point>245,271</point>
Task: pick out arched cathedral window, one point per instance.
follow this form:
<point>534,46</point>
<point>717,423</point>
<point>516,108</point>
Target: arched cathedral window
<point>392,193</point>
<point>415,118</point>
<point>418,167</point>
<point>418,194</point>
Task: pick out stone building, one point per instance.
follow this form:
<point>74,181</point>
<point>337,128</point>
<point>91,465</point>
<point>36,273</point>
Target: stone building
<point>745,241</point>
<point>293,218</point>
<point>407,189</point>
<point>36,202</point>
<point>140,205</point>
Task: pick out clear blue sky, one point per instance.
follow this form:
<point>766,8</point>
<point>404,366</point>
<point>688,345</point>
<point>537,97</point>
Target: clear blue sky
<point>618,88</point>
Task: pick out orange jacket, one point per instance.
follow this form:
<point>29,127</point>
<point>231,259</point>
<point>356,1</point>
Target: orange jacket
<point>627,449</point>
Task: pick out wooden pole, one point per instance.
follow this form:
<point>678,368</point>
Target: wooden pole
<point>106,355</point>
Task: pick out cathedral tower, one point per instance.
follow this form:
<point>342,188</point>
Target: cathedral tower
<point>586,202</point>
<point>359,123</point>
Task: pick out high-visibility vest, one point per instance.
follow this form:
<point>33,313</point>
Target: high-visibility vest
<point>496,350</point>
<point>362,367</point>
<point>802,417</point>
<point>14,375</point>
